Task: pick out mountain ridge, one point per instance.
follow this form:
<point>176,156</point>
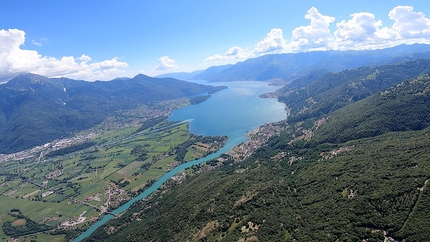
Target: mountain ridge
<point>294,65</point>
<point>337,89</point>
<point>35,109</point>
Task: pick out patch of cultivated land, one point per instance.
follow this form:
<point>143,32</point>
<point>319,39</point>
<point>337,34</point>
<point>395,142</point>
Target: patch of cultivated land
<point>59,189</point>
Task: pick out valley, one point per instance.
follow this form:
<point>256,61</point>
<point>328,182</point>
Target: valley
<point>215,121</point>
<point>67,184</point>
<point>349,167</point>
<point>329,156</point>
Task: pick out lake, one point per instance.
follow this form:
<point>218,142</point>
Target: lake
<point>232,112</point>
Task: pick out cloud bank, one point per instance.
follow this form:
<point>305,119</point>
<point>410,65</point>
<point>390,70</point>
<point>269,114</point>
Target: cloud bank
<point>361,31</point>
<point>15,60</point>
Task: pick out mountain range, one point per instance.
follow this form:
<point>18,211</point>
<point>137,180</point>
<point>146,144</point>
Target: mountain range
<point>35,109</point>
<point>290,66</point>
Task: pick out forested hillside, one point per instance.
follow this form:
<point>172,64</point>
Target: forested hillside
<point>338,89</point>
<point>356,174</point>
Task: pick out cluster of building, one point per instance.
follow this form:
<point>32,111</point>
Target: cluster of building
<point>46,148</point>
<point>257,138</point>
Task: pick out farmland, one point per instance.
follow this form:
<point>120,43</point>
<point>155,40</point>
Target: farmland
<point>65,191</point>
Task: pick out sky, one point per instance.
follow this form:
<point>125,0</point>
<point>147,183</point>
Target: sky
<point>102,40</point>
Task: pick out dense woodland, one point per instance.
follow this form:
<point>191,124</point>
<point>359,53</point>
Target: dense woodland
<point>348,171</point>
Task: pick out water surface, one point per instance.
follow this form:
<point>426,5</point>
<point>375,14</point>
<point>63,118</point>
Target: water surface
<point>232,111</point>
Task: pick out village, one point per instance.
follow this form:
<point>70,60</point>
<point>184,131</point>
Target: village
<point>257,138</point>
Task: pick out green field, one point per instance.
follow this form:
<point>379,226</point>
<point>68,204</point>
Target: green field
<point>63,187</point>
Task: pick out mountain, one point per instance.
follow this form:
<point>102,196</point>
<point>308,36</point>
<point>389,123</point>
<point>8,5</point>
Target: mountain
<point>35,110</point>
<point>355,173</point>
<point>196,75</point>
<point>211,71</point>
<point>337,89</point>
<point>402,107</point>
<point>294,65</point>
<point>181,75</point>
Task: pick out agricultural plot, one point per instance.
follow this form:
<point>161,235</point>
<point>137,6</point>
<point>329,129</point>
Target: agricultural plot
<point>62,188</point>
<point>131,168</point>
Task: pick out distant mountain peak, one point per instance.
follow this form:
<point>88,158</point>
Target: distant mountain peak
<point>32,76</point>
<point>26,80</point>
<point>140,76</point>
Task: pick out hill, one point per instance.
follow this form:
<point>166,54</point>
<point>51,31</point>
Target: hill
<point>326,178</point>
<point>35,110</point>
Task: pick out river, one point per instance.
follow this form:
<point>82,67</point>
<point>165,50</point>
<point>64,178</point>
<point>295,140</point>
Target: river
<point>232,112</point>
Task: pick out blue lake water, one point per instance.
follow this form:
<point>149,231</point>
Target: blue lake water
<point>232,112</point>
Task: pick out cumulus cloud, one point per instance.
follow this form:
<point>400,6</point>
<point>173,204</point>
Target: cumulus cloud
<point>409,24</point>
<point>315,35</point>
<point>274,42</point>
<point>232,53</point>
<point>15,60</point>
<point>165,63</point>
<point>362,31</point>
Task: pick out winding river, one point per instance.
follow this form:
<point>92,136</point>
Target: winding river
<point>232,112</point>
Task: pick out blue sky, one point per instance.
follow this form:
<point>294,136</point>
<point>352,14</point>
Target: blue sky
<point>101,40</point>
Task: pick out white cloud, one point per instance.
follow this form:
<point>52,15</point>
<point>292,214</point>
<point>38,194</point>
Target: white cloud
<point>34,42</point>
<point>274,42</point>
<point>409,24</point>
<point>165,63</point>
<point>39,42</point>
<point>14,60</point>
<point>233,53</point>
<point>216,57</point>
<point>361,31</point>
<point>315,35</point>
<point>84,58</point>
<point>361,27</point>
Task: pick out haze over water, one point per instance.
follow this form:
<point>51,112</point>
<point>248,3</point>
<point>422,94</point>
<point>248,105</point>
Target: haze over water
<point>232,111</point>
